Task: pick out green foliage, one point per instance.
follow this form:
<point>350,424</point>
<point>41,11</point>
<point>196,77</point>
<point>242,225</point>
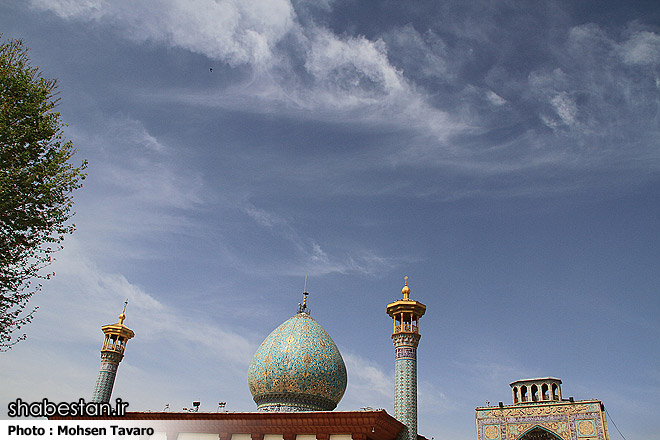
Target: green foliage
<point>36,184</point>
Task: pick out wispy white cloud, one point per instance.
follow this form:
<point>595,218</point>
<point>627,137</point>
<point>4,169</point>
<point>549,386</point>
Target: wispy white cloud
<point>98,290</point>
<point>489,371</point>
<point>132,132</point>
<point>588,90</point>
<point>237,32</point>
<point>494,98</point>
<point>141,168</point>
<point>263,217</point>
<point>369,384</point>
<point>352,67</point>
<point>294,67</point>
<point>310,255</point>
<point>372,385</point>
<point>81,298</point>
<point>419,55</point>
<point>565,108</point>
<point>642,47</point>
<point>432,400</point>
<point>140,186</point>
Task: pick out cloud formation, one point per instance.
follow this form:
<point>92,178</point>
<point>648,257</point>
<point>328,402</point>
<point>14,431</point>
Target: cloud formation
<point>586,87</point>
<point>234,31</point>
<point>369,384</point>
<point>308,252</point>
<point>78,297</point>
<point>293,66</point>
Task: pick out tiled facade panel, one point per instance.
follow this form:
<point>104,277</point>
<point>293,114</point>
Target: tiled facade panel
<point>581,420</point>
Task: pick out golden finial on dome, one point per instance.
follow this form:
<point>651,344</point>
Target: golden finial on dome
<point>122,316</point>
<point>406,289</point>
<point>302,308</point>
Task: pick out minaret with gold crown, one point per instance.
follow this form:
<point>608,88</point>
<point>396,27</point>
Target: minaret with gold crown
<point>406,313</point>
<point>112,352</point>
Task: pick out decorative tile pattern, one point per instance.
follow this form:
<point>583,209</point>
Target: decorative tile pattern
<point>297,368</point>
<point>586,428</point>
<point>492,432</point>
<point>106,379</point>
<point>579,420</point>
<point>104,382</point>
<point>405,352</point>
<point>103,388</point>
<point>405,382</point>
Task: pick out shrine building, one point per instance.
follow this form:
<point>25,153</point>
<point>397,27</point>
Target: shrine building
<point>539,412</point>
<point>297,377</point>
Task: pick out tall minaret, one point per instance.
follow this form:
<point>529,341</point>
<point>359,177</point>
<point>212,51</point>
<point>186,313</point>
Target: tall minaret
<point>406,313</point>
<point>112,352</point>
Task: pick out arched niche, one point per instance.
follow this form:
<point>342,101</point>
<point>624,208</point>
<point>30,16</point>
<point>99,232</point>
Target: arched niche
<point>555,392</point>
<point>523,393</point>
<point>539,433</point>
<point>535,393</point>
<point>544,392</point>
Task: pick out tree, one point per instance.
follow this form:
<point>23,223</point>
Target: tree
<point>37,180</point>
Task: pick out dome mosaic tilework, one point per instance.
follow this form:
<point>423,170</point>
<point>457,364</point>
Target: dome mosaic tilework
<point>297,368</point>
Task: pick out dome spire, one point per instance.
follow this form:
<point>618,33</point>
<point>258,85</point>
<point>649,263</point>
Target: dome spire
<point>302,308</point>
<point>406,289</point>
<point>122,315</point>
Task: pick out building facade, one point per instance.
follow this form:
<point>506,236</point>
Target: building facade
<point>540,413</point>
<point>297,377</point>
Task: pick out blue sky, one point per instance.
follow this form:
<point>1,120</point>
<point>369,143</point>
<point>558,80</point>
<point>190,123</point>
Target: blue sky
<point>503,155</point>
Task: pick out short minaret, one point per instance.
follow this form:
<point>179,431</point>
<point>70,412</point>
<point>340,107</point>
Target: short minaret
<point>112,352</point>
<point>406,313</point>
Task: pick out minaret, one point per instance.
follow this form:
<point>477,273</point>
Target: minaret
<point>112,352</point>
<point>406,313</point>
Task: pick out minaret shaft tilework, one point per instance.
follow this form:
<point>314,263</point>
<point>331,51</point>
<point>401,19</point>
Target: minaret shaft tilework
<point>112,352</point>
<point>405,314</point>
<point>106,378</point>
<point>405,381</point>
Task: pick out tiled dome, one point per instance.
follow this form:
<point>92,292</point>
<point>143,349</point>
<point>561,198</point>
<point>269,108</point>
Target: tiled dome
<point>297,368</point>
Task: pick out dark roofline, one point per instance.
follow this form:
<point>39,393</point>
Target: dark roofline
<point>369,425</point>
